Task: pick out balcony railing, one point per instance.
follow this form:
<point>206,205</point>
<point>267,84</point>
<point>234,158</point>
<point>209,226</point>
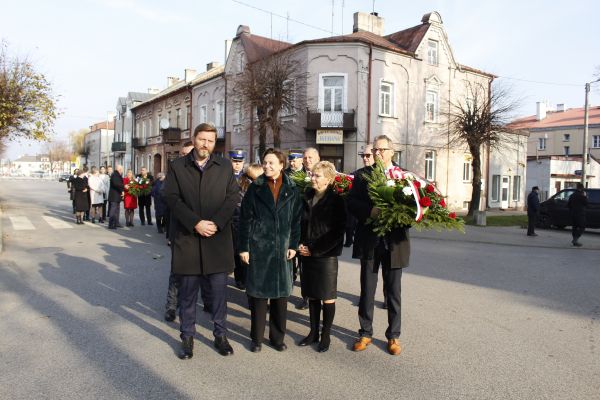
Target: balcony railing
<point>171,135</point>
<point>138,142</point>
<point>317,119</point>
<point>118,147</point>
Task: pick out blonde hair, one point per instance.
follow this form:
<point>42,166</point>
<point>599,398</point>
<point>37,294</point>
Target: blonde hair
<point>327,168</point>
<point>254,170</point>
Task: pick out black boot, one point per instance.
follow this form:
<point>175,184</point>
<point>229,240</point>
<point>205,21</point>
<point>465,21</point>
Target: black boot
<point>314,308</point>
<point>187,348</point>
<point>328,314</point>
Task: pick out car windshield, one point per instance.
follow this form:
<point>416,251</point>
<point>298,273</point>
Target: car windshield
<point>564,195</point>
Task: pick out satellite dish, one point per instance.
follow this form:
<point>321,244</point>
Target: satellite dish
<point>164,123</point>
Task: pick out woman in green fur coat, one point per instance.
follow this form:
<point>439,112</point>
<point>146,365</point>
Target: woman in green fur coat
<point>268,238</point>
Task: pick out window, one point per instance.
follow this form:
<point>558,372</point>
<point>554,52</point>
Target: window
<point>150,132</point>
<point>138,132</point>
<point>144,129</point>
<point>466,171</point>
<point>566,137</point>
<point>158,125</point>
<point>333,93</point>
<point>432,52</point>
<point>202,114</point>
<point>567,150</point>
<point>241,63</point>
<point>431,107</point>
<point>495,187</point>
<point>185,117</point>
<point>289,107</point>
<point>220,114</point>
<point>596,141</point>
<point>516,190</point>
<point>541,143</point>
<point>430,165</point>
<point>397,158</point>
<point>239,116</point>
<point>386,99</point>
<point>178,118</point>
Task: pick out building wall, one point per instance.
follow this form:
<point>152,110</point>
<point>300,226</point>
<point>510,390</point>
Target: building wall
<point>552,174</point>
<point>208,99</point>
<point>556,142</point>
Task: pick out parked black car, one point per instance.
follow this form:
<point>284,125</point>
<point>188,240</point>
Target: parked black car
<point>64,177</point>
<point>554,211</point>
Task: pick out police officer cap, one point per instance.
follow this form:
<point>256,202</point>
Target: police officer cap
<point>294,155</point>
<point>236,154</point>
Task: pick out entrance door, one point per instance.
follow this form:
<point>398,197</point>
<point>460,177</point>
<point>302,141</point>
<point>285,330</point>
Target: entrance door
<point>504,191</point>
<point>157,164</point>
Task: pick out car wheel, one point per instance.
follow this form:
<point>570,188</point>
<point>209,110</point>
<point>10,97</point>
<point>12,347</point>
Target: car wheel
<point>544,221</point>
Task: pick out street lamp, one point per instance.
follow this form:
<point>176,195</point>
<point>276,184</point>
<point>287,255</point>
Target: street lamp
<point>585,132</point>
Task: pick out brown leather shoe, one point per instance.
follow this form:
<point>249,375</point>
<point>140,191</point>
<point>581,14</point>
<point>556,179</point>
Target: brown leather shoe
<point>362,343</point>
<point>394,347</point>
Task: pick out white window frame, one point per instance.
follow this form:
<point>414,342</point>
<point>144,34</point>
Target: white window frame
<point>322,89</point>
<point>595,141</point>
<point>566,137</point>
<point>434,104</point>
<point>495,186</point>
<point>389,97</point>
<point>202,114</point>
<point>239,114</point>
<point>541,145</point>
<point>433,52</point>
<point>467,168</point>
<point>516,188</point>
<point>178,118</point>
<point>186,116</point>
<point>285,111</point>
<point>567,150</point>
<point>220,113</point>
<point>158,124</point>
<point>430,158</point>
<point>241,64</point>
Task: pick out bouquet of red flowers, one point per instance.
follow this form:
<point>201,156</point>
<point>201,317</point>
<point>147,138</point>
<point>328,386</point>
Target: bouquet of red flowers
<point>139,187</point>
<point>404,199</point>
<point>342,183</point>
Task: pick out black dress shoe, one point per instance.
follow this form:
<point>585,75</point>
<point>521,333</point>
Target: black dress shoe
<point>150,223</point>
<point>240,285</point>
<point>170,315</point>
<point>119,226</point>
<point>303,305</point>
<point>310,339</point>
<point>255,347</point>
<point>348,244</point>
<point>223,346</point>
<point>279,346</point>
<point>187,348</point>
<point>143,223</point>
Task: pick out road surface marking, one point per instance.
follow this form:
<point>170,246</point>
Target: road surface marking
<point>21,223</point>
<point>57,223</point>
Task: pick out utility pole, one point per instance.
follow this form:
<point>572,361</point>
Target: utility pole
<point>585,132</point>
<point>585,136</point>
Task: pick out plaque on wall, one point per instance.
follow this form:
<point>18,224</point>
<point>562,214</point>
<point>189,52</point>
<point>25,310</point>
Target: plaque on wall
<point>330,136</point>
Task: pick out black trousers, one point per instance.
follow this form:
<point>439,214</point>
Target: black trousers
<point>160,223</point>
<point>277,319</point>
<point>188,297</point>
<point>113,214</point>
<point>104,210</point>
<point>239,272</point>
<point>531,221</point>
<point>173,291</point>
<point>144,204</point>
<point>392,280</point>
<point>578,226</point>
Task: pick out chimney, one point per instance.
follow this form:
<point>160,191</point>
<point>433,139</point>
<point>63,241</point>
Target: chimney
<point>212,65</point>
<point>171,80</point>
<point>364,22</point>
<point>560,107</point>
<point>152,90</point>
<point>540,112</point>
<point>190,74</point>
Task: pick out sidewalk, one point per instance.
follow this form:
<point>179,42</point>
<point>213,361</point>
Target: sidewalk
<point>514,236</point>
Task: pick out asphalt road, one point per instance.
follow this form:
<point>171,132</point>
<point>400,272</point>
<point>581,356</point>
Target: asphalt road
<point>81,310</point>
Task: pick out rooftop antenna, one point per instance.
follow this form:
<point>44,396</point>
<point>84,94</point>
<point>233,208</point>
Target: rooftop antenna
<point>271,26</point>
<point>342,17</point>
<point>332,8</point>
<point>287,27</point>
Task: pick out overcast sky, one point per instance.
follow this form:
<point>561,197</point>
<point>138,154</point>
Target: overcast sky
<point>97,50</point>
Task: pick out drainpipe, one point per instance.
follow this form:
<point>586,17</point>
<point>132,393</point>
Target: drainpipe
<point>225,114</point>
<point>448,132</point>
<point>369,94</point>
<point>487,173</point>
<point>252,132</point>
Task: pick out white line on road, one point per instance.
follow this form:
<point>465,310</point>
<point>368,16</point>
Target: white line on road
<point>21,223</point>
<point>57,223</point>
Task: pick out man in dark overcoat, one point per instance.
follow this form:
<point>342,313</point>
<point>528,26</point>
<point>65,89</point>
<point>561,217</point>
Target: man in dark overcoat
<point>145,201</point>
<point>115,196</point>
<point>202,193</point>
<point>533,209</point>
<point>577,203</point>
<point>392,252</point>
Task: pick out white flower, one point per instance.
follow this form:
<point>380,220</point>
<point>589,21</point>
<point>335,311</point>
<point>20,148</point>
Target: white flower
<point>422,182</point>
<point>407,191</point>
<point>390,183</point>
<point>307,179</point>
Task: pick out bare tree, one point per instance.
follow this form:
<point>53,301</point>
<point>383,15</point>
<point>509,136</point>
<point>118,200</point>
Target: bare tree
<point>27,103</point>
<point>58,153</point>
<point>77,139</point>
<point>481,120</point>
<point>273,86</point>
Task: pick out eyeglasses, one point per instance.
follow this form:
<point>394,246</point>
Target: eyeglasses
<point>363,155</point>
<point>381,150</point>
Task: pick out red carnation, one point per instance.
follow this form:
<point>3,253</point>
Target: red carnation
<point>337,178</point>
<point>340,190</point>
<point>442,203</point>
<point>417,184</point>
<point>425,202</point>
<point>452,215</point>
<point>430,189</point>
<point>348,178</point>
<point>350,186</point>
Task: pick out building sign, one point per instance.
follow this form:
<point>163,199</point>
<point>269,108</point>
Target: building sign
<point>327,136</point>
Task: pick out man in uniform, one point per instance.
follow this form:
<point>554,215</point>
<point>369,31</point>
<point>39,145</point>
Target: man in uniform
<point>295,161</point>
<point>239,272</point>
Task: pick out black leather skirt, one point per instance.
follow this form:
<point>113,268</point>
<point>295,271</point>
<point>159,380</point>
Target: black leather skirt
<point>319,277</point>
